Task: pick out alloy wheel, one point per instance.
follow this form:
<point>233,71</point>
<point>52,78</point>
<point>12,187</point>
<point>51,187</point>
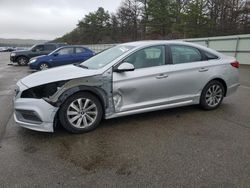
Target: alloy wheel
<point>44,66</point>
<point>214,95</point>
<point>22,61</point>
<point>82,113</point>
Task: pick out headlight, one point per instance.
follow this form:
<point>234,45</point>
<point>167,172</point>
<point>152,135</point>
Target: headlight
<point>32,61</point>
<point>17,90</point>
<point>13,54</point>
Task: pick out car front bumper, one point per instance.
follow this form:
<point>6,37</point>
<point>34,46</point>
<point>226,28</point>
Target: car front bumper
<point>35,114</point>
<point>13,59</point>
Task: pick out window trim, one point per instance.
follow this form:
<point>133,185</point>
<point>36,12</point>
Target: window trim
<point>203,57</point>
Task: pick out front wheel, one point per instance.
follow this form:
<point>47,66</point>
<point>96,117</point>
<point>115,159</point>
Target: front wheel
<point>82,112</point>
<point>22,61</point>
<point>212,95</point>
<point>43,66</point>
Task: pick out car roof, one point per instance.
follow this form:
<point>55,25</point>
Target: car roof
<point>155,42</point>
<point>145,43</point>
<point>74,46</point>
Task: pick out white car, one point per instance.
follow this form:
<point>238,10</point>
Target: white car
<point>127,79</point>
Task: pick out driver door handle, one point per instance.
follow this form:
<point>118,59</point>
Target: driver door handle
<point>161,76</point>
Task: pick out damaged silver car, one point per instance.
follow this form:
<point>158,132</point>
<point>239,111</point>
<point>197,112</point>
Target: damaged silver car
<point>127,79</point>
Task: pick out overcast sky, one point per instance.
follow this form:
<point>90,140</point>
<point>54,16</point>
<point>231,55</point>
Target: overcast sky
<point>46,19</point>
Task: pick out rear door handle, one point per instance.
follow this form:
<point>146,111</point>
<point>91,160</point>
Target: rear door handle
<point>161,76</point>
<point>203,69</point>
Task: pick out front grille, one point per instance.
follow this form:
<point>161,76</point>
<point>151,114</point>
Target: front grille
<point>28,116</point>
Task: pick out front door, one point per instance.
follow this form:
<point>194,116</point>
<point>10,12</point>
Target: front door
<point>145,86</point>
<point>63,56</point>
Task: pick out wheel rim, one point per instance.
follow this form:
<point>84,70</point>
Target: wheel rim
<point>214,95</point>
<point>22,61</point>
<point>82,113</point>
<point>44,67</point>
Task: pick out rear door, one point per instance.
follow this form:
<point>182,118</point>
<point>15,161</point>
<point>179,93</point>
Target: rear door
<point>188,73</point>
<point>81,54</point>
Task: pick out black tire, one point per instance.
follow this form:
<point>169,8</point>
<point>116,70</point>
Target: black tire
<point>65,118</point>
<point>206,99</point>
<point>43,66</point>
<point>22,61</point>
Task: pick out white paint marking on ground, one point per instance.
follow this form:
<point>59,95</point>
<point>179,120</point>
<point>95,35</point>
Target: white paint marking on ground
<point>245,87</point>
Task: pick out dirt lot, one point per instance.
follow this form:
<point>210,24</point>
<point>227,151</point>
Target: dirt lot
<point>183,147</point>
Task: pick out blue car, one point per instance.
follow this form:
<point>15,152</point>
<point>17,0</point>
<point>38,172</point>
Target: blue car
<point>61,56</point>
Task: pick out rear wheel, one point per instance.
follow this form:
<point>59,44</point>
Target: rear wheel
<point>212,95</point>
<point>43,66</point>
<point>22,61</point>
<point>81,113</point>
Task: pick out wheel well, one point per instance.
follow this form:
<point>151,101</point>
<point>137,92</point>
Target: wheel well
<point>101,99</point>
<point>223,83</point>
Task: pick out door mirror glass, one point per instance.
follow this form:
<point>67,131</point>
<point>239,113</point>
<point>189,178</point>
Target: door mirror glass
<point>55,54</point>
<point>125,67</point>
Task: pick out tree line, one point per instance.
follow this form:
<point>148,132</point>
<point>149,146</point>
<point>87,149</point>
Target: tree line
<point>162,19</point>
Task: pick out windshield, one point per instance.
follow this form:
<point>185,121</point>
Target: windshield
<point>51,53</point>
<point>32,47</point>
<point>106,57</point>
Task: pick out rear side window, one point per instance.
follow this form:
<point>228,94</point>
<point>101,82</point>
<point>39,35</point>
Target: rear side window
<point>184,54</point>
<point>50,47</point>
<point>80,50</point>
<point>66,51</point>
<point>210,56</point>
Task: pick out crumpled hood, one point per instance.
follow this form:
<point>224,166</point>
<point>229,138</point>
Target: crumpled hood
<point>57,74</point>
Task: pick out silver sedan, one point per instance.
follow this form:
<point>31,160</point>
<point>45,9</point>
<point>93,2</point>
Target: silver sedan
<point>127,79</point>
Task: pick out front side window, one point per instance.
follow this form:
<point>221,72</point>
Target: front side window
<point>50,47</point>
<point>148,57</point>
<point>65,51</point>
<point>38,48</point>
<point>184,54</point>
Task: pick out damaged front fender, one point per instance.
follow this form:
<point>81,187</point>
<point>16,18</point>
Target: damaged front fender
<point>100,85</point>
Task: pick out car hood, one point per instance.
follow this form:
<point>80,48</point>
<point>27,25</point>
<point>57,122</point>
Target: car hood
<point>62,73</point>
<point>21,51</point>
<point>40,56</point>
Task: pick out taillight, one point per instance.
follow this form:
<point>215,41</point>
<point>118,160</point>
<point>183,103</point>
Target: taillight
<point>235,64</point>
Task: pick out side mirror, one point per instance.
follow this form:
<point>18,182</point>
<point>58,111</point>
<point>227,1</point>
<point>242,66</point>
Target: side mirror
<point>55,54</point>
<point>33,50</point>
<point>125,67</point>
